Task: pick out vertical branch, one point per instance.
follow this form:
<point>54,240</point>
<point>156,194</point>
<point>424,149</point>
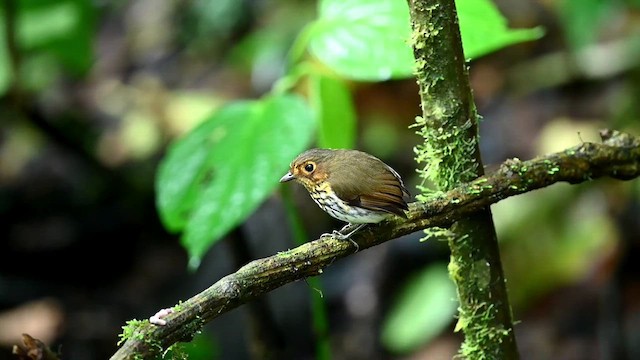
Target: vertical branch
<point>449,156</point>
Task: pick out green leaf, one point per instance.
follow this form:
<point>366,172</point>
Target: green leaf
<point>216,176</point>
<point>425,307</point>
<point>363,39</point>
<point>484,29</point>
<point>369,39</point>
<point>336,114</point>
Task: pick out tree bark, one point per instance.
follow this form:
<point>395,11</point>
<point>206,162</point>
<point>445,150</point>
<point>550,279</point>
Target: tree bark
<point>452,156</point>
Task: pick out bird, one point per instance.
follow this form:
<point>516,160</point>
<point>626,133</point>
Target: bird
<point>351,186</point>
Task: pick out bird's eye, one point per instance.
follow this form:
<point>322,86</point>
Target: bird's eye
<point>309,167</point>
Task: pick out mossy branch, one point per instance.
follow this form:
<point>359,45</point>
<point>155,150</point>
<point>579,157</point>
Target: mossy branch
<point>617,157</point>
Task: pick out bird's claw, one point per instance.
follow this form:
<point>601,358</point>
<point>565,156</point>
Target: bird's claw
<point>334,234</point>
<point>326,235</point>
<point>340,236</point>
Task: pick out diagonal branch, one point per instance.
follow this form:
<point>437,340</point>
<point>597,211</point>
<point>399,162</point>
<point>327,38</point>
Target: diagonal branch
<point>617,157</point>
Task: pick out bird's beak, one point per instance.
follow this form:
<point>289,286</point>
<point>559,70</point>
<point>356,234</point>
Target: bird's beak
<point>287,177</point>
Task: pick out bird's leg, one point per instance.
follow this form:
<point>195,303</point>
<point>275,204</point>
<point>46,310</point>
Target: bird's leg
<point>346,227</point>
<point>339,234</point>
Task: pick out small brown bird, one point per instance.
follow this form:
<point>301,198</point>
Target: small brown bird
<point>350,185</point>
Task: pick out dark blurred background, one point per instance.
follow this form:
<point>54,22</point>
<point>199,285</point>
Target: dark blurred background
<point>88,116</point>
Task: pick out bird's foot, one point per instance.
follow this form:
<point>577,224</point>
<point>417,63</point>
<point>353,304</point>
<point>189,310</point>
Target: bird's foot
<point>340,235</point>
<point>335,234</point>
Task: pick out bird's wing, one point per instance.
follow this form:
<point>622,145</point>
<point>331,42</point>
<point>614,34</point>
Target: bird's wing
<point>387,195</point>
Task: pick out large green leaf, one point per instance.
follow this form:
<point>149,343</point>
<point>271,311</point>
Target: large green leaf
<point>363,39</point>
<point>368,39</point>
<point>425,307</point>
<point>485,30</point>
<point>217,175</point>
<point>336,115</point>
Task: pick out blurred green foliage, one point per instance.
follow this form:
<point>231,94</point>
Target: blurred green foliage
<point>565,247</point>
<point>51,36</point>
<point>424,307</point>
<point>583,20</point>
<point>202,347</point>
<point>336,113</point>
